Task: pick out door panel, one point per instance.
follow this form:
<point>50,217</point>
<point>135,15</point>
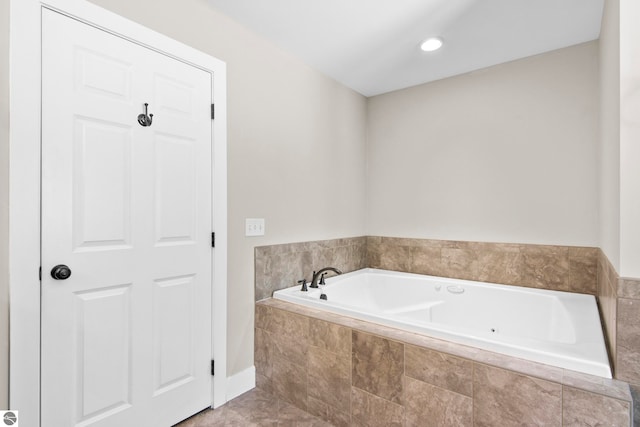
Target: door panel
<point>103,75</point>
<point>173,322</point>
<point>103,330</point>
<point>176,187</point>
<point>126,339</point>
<point>174,96</point>
<point>102,183</point>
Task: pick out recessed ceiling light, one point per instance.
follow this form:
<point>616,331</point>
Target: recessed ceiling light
<point>431,44</point>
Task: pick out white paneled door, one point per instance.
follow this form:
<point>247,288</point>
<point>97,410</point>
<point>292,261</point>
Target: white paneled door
<point>126,338</point>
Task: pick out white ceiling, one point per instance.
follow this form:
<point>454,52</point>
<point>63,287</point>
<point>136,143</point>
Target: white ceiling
<point>372,46</point>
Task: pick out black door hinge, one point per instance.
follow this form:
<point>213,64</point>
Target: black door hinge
<point>213,111</point>
<point>213,367</point>
<point>213,240</point>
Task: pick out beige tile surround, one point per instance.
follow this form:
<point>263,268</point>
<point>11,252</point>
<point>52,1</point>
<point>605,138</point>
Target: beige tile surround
<point>607,302</point>
<point>281,266</point>
<point>619,301</point>
<point>574,269</point>
<point>355,373</point>
<point>562,268</point>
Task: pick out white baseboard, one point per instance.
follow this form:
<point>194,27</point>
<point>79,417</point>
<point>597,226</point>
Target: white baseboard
<point>241,382</point>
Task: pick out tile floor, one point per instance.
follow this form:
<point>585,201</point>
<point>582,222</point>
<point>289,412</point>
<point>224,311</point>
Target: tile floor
<point>254,408</point>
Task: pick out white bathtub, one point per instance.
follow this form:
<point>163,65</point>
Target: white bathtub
<point>556,328</point>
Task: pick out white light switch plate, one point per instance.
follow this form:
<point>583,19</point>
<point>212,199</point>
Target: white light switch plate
<point>254,227</point>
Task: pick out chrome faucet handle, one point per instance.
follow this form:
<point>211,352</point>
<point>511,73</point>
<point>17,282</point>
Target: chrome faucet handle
<point>303,282</point>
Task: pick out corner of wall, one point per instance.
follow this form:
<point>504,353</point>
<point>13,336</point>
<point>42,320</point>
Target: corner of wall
<point>609,150</point>
<point>629,122</point>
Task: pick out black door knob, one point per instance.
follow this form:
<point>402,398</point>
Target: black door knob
<point>60,272</point>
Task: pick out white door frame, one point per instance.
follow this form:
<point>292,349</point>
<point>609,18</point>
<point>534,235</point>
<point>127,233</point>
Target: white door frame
<point>24,190</point>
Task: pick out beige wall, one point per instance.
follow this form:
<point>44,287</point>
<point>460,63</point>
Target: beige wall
<point>610,132</point>
<point>505,154</point>
<point>4,203</point>
<point>296,146</point>
<point>619,136</point>
<point>629,138</point>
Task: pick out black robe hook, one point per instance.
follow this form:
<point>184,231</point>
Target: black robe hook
<point>144,119</point>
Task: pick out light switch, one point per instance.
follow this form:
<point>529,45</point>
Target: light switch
<point>254,227</point>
